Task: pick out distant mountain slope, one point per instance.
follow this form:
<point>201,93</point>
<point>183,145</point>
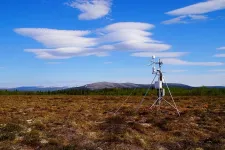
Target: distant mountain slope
<point>217,87</point>
<point>35,88</point>
<point>109,85</point>
<point>101,85</point>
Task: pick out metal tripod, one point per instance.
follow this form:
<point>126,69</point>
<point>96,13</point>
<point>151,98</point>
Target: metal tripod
<point>160,99</point>
<point>159,87</point>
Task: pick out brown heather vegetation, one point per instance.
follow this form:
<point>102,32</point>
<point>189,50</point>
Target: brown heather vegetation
<point>88,122</point>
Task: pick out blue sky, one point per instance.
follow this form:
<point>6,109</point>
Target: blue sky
<point>70,43</point>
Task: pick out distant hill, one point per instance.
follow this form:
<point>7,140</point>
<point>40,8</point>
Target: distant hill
<point>217,87</point>
<point>101,85</point>
<point>36,88</point>
<point>109,85</point>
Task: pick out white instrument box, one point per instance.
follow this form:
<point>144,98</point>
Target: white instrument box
<point>158,85</point>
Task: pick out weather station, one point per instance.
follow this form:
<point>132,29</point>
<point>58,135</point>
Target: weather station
<point>157,85</point>
<point>157,70</point>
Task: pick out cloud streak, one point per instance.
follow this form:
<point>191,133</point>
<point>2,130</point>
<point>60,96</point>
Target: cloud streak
<point>157,54</point>
<point>53,38</point>
<point>172,58</point>
<point>91,9</point>
<point>199,8</point>
<point>175,61</point>
<point>219,55</point>
<point>177,20</point>
<point>221,48</point>
<point>194,12</point>
<point>185,19</point>
<point>66,53</point>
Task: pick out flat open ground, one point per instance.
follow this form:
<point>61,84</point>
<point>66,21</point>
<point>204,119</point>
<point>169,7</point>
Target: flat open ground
<point>88,122</point>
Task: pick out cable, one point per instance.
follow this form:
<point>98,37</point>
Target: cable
<point>125,101</point>
<point>172,98</point>
<point>145,95</point>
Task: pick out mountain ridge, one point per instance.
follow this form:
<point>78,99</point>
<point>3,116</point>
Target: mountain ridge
<point>111,85</point>
<point>99,86</point>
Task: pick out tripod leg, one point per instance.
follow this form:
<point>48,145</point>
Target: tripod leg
<point>143,99</point>
<point>154,103</point>
<point>170,104</point>
<point>172,97</point>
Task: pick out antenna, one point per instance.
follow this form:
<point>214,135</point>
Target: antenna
<point>159,85</point>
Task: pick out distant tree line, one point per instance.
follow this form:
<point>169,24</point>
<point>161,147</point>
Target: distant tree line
<point>202,91</point>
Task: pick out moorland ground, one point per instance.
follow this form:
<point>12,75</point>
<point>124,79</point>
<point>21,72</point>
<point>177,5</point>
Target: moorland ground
<point>88,122</point>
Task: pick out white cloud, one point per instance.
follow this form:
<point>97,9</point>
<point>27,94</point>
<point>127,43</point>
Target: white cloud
<point>161,55</point>
<point>92,9</point>
<point>129,25</point>
<point>185,19</point>
<point>69,52</point>
<point>175,61</point>
<point>46,54</point>
<point>123,36</point>
<point>195,12</point>
<point>221,48</point>
<point>199,8</point>
<point>64,44</point>
<point>198,79</point>
<point>219,55</point>
<point>133,36</point>
<point>126,35</point>
<point>177,20</point>
<point>142,46</point>
<point>198,17</point>
<point>172,58</point>
<point>53,38</point>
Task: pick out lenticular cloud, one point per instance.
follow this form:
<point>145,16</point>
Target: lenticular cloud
<point>122,36</point>
<point>200,8</point>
